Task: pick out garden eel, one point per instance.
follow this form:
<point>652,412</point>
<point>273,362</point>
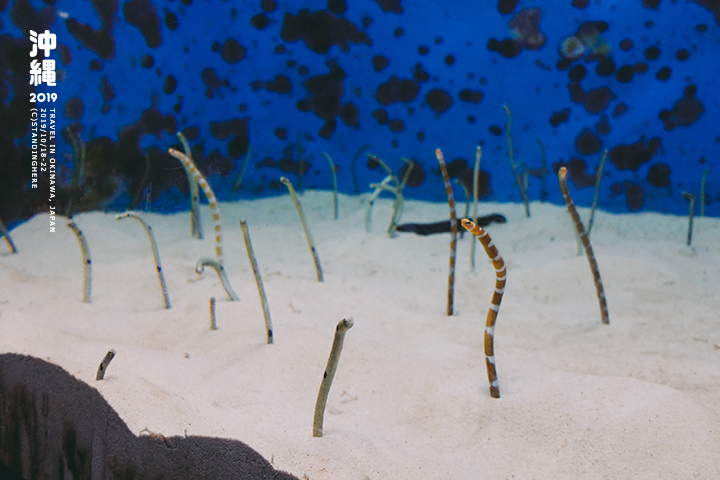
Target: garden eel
<point>562,176</point>
<point>212,200</point>
<point>500,279</point>
<point>453,230</point>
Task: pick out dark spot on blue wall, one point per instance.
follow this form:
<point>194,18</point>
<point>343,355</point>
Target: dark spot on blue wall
<point>396,125</point>
<point>605,67</point>
<point>439,100</point>
<point>171,21</point>
<point>587,143</point>
<point>711,5</point>
<point>506,6</point>
<point>685,112</point>
<point>625,74</point>
<point>392,6</point>
<point>106,88</point>
<point>559,117</point>
<point>603,125</point>
<point>630,157</point>
<point>191,133</point>
<point>396,90</point>
<point>74,108</point>
<point>659,175</point>
<point>663,74</point>
<point>280,84</point>
<point>381,116</point>
<point>682,54</point>
<point>232,51</point>
<point>99,41</point>
<point>652,53</point>
<point>260,21</point>
<point>142,14</point>
<point>419,74</point>
<point>321,30</point>
<point>634,196</point>
<point>237,129</point>
<point>350,115</point>
<point>211,81</point>
<point>620,109</point>
<point>577,73</point>
<point>508,47</point>
<point>268,6</point>
<point>338,7</point>
<point>380,62</point>
<point>170,84</point>
<point>594,101</point>
<point>325,97</point>
<point>471,96</point>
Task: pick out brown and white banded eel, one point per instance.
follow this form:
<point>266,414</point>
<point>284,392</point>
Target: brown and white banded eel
<point>453,230</point>
<point>212,200</point>
<point>562,176</point>
<point>500,279</point>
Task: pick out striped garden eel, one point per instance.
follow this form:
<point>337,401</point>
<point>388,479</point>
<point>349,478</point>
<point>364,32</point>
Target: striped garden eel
<point>453,231</point>
<point>195,223</point>
<point>562,176</point>
<point>500,279</point>
<point>212,200</point>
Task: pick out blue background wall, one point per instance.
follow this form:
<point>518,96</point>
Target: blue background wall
<point>396,78</point>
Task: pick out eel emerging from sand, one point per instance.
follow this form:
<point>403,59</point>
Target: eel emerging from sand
<point>444,226</point>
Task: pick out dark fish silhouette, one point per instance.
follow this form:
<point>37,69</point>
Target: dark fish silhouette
<point>444,226</point>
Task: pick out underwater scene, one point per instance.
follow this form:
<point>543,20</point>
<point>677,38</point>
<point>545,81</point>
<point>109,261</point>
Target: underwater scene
<point>264,89</point>
<point>359,239</point>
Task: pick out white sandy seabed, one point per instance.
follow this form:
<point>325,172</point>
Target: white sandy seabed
<point>639,398</point>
